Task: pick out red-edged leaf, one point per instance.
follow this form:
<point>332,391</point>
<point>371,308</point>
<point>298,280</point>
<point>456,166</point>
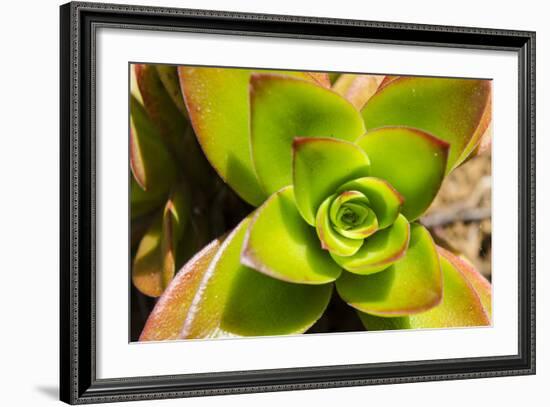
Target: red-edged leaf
<point>167,318</point>
<point>480,284</point>
<point>233,299</point>
<point>161,108</point>
<point>218,103</point>
<point>409,286</point>
<point>280,244</point>
<point>455,110</point>
<point>412,161</point>
<point>283,108</point>
<point>461,305</point>
<point>358,89</point>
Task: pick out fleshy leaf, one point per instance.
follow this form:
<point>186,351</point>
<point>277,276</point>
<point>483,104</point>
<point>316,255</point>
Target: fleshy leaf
<point>478,282</point>
<point>175,218</point>
<point>484,145</point>
<point>144,202</point>
<point>320,166</point>
<point>387,79</point>
<point>170,312</point>
<point>455,110</point>
<point>321,78</point>
<point>409,286</point>
<point>331,240</point>
<point>155,260</point>
<point>358,89</point>
<point>152,166</point>
<point>460,306</point>
<point>282,245</point>
<point>383,198</point>
<point>217,100</point>
<point>160,107</point>
<point>233,299</point>
<point>412,161</point>
<point>134,87</point>
<point>147,271</point>
<point>283,108</point>
<point>352,216</point>
<point>379,251</point>
<point>168,75</point>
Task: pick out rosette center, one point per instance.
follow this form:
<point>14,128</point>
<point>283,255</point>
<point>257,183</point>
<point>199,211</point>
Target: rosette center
<point>351,216</point>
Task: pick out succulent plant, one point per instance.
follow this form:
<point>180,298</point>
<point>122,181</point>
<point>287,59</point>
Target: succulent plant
<point>340,172</point>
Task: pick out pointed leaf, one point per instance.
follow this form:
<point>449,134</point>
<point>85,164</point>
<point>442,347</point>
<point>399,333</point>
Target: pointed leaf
<point>175,218</point>
<point>217,100</point>
<point>283,108</point>
<point>358,89</point>
<point>379,251</point>
<point>160,107</point>
<point>331,240</point>
<point>484,144</point>
<point>168,75</point>
<point>412,161</point>
<point>409,286</point>
<point>383,198</point>
<point>155,260</point>
<point>387,79</point>
<point>235,300</point>
<point>320,166</point>
<point>147,271</point>
<point>321,78</point>
<point>144,202</point>
<point>152,165</point>
<point>455,110</point>
<point>168,316</point>
<point>480,284</point>
<point>352,215</point>
<point>282,245</point>
<point>134,87</point>
<point>460,306</point>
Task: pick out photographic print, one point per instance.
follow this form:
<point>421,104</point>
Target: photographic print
<point>267,202</point>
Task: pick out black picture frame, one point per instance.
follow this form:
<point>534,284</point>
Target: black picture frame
<point>78,382</point>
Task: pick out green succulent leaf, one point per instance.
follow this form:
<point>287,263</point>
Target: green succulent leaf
<point>232,299</point>
<point>175,219</point>
<point>160,107</point>
<point>385,201</point>
<point>330,239</point>
<point>461,306</point>
<point>166,320</point>
<point>155,260</point>
<point>283,108</point>
<point>282,245</point>
<point>320,166</point>
<point>478,282</point>
<point>379,251</point>
<point>412,161</point>
<point>455,110</point>
<point>152,165</point>
<point>143,202</point>
<point>352,216</point>
<point>409,286</point>
<point>217,100</point>
<point>168,75</point>
<point>148,274</point>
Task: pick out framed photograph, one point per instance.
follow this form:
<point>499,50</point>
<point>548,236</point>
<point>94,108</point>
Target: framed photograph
<point>255,203</point>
